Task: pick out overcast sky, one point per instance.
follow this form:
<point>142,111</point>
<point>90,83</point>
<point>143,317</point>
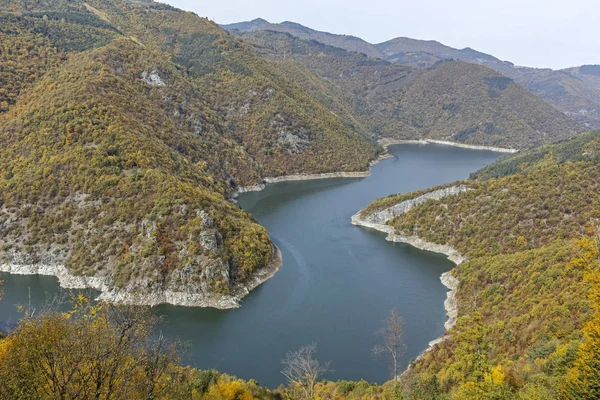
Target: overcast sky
<point>537,33</point>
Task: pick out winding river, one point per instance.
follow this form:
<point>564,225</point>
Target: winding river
<point>337,284</point>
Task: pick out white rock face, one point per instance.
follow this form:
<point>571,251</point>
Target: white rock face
<point>209,241</point>
<point>299,177</point>
<point>450,304</point>
<point>386,142</point>
<point>246,189</point>
<point>382,217</point>
<point>141,292</point>
<point>328,175</point>
<point>153,78</point>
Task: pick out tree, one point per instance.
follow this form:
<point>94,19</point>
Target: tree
<point>583,379</point>
<point>392,335</point>
<point>301,368</point>
<point>97,351</point>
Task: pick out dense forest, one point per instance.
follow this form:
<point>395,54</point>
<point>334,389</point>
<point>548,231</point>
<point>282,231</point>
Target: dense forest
<point>527,299</point>
<point>126,127</point>
<point>574,91</point>
<point>451,100</point>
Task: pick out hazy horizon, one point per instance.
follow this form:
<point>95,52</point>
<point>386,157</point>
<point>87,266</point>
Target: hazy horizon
<point>548,34</point>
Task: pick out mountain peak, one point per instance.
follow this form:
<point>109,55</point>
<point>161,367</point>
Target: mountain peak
<point>247,26</point>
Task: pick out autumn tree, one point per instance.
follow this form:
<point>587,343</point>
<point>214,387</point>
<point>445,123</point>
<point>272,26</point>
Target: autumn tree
<point>302,369</point>
<point>583,380</point>
<point>392,337</point>
<point>95,351</point>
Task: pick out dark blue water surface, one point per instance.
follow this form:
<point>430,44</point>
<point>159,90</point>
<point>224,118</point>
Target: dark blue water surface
<point>337,284</point>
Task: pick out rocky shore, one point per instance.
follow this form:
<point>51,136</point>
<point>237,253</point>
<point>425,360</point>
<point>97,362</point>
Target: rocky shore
<point>328,175</point>
<point>136,296</point>
<point>378,221</point>
<point>309,177</point>
<point>298,177</point>
<point>386,142</point>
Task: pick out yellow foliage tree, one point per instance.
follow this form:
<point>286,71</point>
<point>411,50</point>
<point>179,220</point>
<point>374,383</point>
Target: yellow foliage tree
<point>583,380</point>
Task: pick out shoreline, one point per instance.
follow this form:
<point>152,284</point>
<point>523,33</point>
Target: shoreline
<point>109,294</point>
<point>377,221</point>
<point>310,177</point>
<point>386,142</point>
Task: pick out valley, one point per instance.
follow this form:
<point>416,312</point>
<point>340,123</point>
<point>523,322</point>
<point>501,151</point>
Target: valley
<point>182,202</point>
<point>333,275</point>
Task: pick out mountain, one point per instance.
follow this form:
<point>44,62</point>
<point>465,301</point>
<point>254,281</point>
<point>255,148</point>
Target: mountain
<point>126,127</point>
<point>571,91</point>
<point>347,42</point>
<point>452,100</point>
<point>574,92</point>
<point>524,226</point>
<point>425,53</point>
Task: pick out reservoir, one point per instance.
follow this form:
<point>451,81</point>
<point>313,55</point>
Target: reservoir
<point>337,284</point>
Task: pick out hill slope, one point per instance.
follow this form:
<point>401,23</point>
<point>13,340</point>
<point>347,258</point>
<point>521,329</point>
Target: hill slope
<point>126,126</point>
<point>523,294</point>
<point>425,53</point>
<point>575,91</point>
<point>347,42</point>
<point>570,90</point>
<point>454,101</point>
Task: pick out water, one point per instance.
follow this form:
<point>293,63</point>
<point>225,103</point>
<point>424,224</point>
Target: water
<point>336,286</point>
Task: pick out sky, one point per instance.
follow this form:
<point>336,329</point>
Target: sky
<point>535,33</point>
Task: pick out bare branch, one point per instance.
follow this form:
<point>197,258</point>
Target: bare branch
<point>301,368</point>
<point>392,335</point>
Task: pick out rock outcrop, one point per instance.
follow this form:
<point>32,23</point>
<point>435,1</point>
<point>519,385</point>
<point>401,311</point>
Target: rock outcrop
<point>375,220</point>
<point>144,291</point>
<point>153,78</point>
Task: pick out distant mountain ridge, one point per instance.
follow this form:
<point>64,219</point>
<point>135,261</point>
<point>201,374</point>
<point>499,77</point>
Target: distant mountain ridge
<point>574,91</point>
<point>346,42</point>
<point>451,100</point>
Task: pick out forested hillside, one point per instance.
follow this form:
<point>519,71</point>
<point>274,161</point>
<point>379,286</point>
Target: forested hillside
<point>528,229</point>
<point>126,126</point>
<point>574,91</point>
<point>453,100</point>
